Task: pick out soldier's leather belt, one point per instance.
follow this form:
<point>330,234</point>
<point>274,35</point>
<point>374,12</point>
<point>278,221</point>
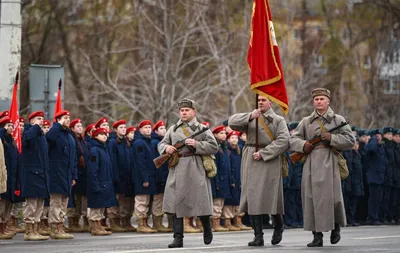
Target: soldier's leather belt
<point>322,146</point>
<point>187,154</point>
<point>254,145</point>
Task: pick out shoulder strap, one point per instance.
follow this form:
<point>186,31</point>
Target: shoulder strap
<point>185,131</point>
<point>266,128</point>
<point>321,126</point>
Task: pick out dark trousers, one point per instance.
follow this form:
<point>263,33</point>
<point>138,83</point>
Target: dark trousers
<point>374,202</point>
<point>293,207</point>
<point>386,205</point>
<point>396,204</point>
<point>350,203</point>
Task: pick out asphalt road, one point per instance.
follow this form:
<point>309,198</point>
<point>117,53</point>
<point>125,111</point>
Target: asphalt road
<point>354,239</point>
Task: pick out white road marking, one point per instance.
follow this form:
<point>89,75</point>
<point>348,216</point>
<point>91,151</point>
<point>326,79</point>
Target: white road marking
<point>377,237</point>
<point>178,249</point>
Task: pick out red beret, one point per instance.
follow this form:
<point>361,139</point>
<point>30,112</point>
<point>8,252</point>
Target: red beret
<point>144,123</point>
<point>4,114</point>
<point>158,124</point>
<point>74,122</point>
<point>233,133</point>
<point>206,123</point>
<point>118,123</point>
<point>46,122</point>
<point>89,128</point>
<point>5,120</point>
<point>218,129</point>
<point>99,131</point>
<point>36,114</point>
<point>101,121</point>
<point>61,113</point>
<point>21,120</point>
<point>130,129</point>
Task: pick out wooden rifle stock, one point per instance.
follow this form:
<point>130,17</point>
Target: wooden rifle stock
<point>159,161</point>
<point>296,156</point>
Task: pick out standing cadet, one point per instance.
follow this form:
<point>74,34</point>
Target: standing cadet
<point>35,175</point>
<point>188,189</point>
<point>63,172</point>
<point>46,126</point>
<point>396,139</point>
<point>387,200</point>
<point>88,135</point>
<point>231,205</point>
<point>145,179</point>
<point>321,184</point>
<point>100,190</point>
<point>79,189</point>
<point>262,189</point>
<point>362,207</point>
<point>159,131</point>
<point>222,183</point>
<point>376,172</point>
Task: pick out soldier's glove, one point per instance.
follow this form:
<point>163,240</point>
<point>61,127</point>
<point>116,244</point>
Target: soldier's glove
<point>307,148</point>
<point>326,136</point>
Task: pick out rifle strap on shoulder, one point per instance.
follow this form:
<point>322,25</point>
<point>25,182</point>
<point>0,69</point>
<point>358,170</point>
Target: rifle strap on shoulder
<point>266,128</point>
<point>185,131</point>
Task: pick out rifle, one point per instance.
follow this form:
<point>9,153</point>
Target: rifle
<point>295,156</point>
<point>159,161</point>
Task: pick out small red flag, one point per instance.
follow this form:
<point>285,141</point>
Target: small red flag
<point>14,115</point>
<point>58,100</point>
<point>264,59</point>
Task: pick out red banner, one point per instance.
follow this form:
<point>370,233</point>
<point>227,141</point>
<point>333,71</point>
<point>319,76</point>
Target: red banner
<point>14,116</point>
<point>58,100</point>
<point>264,59</point>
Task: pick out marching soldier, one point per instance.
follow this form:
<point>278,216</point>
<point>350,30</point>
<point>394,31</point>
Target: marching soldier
<point>100,190</point>
<point>188,189</point>
<point>35,175</point>
<point>262,189</point>
<point>321,183</point>
<point>231,206</point>
<point>63,172</point>
<point>159,131</point>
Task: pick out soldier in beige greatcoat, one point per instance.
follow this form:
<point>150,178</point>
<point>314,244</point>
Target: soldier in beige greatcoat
<point>262,188</point>
<point>321,189</point>
<point>188,189</point>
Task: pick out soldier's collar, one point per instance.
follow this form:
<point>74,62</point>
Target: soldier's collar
<point>193,124</point>
<point>269,115</point>
<point>328,115</point>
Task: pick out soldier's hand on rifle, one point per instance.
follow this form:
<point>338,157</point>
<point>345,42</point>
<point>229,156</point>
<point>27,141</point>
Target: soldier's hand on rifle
<point>191,142</point>
<point>326,136</point>
<point>307,148</point>
<point>255,114</point>
<point>256,156</point>
<point>170,149</point>
<point>146,184</point>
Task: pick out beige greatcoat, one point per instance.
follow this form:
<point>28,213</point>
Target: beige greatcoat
<point>188,189</point>
<point>262,189</point>
<point>321,189</point>
<point>3,170</point>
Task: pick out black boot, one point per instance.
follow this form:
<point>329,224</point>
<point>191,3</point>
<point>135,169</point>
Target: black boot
<point>178,233</point>
<point>207,232</point>
<point>258,233</point>
<point>317,242</point>
<point>335,234</point>
<point>278,229</point>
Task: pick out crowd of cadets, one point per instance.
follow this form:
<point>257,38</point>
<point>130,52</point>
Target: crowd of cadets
<point>97,173</point>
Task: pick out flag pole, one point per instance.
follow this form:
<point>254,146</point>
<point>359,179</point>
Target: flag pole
<point>256,124</point>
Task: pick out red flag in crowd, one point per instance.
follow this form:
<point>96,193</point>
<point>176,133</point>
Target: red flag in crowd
<point>263,57</point>
<point>14,115</point>
<point>58,100</point>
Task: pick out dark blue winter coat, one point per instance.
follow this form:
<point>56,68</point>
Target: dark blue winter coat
<point>34,164</point>
<point>11,160</point>
<point>376,168</point>
<point>353,184</point>
<point>221,183</point>
<point>82,152</point>
<point>235,156</point>
<point>162,172</point>
<point>89,141</point>
<point>100,189</point>
<point>397,165</point>
<point>62,159</point>
<point>295,173</point>
<point>121,161</point>
<point>145,170</point>
<point>388,146</point>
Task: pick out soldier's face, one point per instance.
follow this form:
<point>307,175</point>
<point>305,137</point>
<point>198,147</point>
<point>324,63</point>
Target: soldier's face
<point>233,140</point>
<point>364,138</point>
<point>379,138</point>
<point>221,136</point>
<point>78,128</point>
<point>187,114</point>
<point>45,129</point>
<point>9,127</point>
<point>121,130</point>
<point>321,103</point>
<point>131,136</point>
<point>146,130</point>
<point>264,104</point>
<point>66,120</point>
<point>161,131</point>
<point>388,136</point>
<point>396,138</point>
<point>105,125</point>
